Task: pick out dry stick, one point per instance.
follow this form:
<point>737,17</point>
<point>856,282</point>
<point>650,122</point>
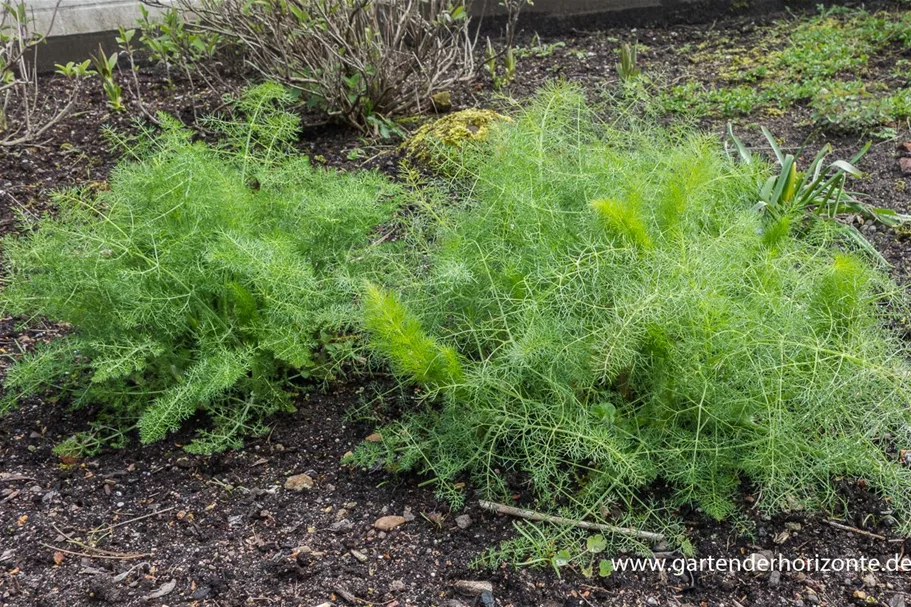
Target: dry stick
<point>559,520</point>
<point>855,530</point>
<point>96,556</point>
<point>110,528</point>
<point>4,477</point>
<point>81,544</point>
<point>349,597</point>
<point>139,518</point>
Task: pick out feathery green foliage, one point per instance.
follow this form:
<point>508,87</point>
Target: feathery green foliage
<point>621,317</point>
<point>258,132</point>
<point>401,338</point>
<point>188,290</point>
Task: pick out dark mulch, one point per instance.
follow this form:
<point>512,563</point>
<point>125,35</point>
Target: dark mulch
<point>225,529</point>
<point>229,533</point>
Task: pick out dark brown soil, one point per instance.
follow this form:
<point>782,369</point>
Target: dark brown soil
<point>229,533</point>
<point>116,528</point>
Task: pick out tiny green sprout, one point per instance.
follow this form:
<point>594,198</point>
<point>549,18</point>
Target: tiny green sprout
<point>490,61</point>
<point>74,70</point>
<point>604,411</point>
<point>605,568</point>
<point>627,68</point>
<point>459,13</point>
<point>509,64</point>
<point>104,65</point>
<point>124,36</point>
<point>561,559</point>
<point>596,544</point>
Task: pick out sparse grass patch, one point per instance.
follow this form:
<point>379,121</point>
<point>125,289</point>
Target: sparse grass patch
<point>822,61</point>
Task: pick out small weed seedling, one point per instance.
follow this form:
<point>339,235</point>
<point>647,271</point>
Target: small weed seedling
<point>104,66</point>
<point>627,68</point>
<point>793,196</point>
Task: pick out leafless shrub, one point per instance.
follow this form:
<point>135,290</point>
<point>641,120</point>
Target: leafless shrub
<point>359,60</point>
<point>25,113</point>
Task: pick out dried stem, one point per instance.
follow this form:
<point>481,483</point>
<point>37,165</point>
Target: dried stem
<point>531,515</point>
<point>355,58</point>
<point>18,58</point>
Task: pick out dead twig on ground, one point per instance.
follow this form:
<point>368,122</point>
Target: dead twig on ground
<point>843,527</point>
<point>69,538</point>
<point>97,556</point>
<point>105,531</point>
<point>139,518</point>
<point>559,520</point>
<point>349,597</point>
<point>8,477</point>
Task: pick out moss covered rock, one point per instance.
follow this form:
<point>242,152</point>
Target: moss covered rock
<point>432,144</point>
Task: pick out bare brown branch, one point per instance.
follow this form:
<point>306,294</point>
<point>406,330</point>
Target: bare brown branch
<point>354,58</point>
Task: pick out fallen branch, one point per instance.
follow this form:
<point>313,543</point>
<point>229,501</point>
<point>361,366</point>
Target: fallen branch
<point>349,597</point>
<point>96,556</point>
<point>8,477</point>
<point>559,520</point>
<point>855,530</point>
<point>139,518</point>
<point>69,538</point>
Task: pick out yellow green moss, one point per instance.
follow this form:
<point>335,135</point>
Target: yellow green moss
<point>430,143</point>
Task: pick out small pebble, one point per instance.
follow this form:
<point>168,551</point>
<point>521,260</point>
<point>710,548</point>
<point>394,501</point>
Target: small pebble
<point>774,578</point>
<point>472,587</point>
<point>359,556</point>
<point>342,526</point>
<point>299,482</point>
<point>388,523</point>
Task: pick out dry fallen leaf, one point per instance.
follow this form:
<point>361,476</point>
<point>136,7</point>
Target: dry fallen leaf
<point>58,558</point>
<point>165,588</point>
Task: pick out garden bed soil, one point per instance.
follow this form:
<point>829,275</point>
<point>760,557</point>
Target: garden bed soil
<point>224,530</point>
<point>228,532</point>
